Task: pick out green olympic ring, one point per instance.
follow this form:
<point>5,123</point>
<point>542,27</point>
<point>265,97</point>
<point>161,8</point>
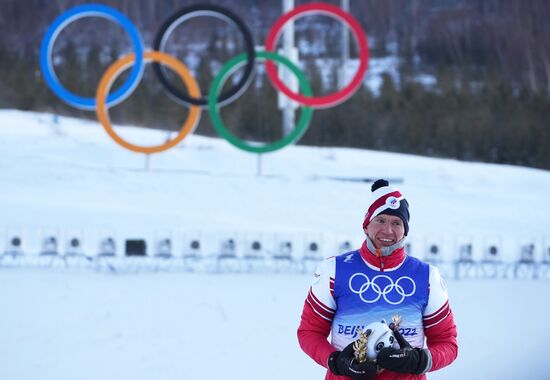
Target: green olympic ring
<point>219,126</point>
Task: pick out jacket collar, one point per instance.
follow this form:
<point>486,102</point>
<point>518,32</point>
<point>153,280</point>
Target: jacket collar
<point>385,258</point>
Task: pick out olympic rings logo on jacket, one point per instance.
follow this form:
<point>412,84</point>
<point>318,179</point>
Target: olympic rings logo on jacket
<point>375,289</point>
<point>193,99</point>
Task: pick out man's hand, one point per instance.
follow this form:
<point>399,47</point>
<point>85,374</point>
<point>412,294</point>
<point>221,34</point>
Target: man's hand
<point>406,359</point>
<point>344,363</point>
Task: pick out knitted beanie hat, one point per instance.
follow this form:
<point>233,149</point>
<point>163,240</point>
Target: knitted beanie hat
<point>387,200</point>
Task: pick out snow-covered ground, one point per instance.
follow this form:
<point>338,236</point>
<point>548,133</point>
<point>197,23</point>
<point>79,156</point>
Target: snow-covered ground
<point>68,177</point>
<point>192,326</point>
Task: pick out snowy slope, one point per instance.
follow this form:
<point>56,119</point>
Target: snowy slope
<point>69,176</point>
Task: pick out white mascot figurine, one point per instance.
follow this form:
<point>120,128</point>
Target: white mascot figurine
<point>374,338</point>
<point>380,337</point>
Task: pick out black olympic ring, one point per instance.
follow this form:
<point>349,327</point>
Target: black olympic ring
<point>204,10</point>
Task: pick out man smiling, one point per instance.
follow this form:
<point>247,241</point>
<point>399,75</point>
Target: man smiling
<point>374,283</point>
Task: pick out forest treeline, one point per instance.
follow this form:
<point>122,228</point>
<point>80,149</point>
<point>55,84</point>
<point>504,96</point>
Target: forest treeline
<point>490,100</point>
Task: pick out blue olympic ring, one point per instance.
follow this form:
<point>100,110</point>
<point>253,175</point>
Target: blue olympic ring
<point>78,12</point>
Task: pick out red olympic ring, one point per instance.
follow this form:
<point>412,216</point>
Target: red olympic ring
<point>330,10</point>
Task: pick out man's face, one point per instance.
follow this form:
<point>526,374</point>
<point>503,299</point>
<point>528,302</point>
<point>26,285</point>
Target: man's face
<point>385,230</point>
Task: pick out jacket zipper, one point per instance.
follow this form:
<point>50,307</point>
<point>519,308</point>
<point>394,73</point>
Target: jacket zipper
<point>380,257</point>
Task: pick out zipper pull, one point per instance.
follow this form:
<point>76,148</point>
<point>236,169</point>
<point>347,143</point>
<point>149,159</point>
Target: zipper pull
<point>379,254</point>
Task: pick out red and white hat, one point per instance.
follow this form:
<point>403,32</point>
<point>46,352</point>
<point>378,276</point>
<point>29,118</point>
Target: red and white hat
<point>387,200</point>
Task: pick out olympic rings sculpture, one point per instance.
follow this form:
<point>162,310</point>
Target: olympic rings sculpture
<point>380,290</point>
<point>193,99</point>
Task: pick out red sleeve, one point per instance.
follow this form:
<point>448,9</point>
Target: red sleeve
<point>441,338</point>
<point>312,335</point>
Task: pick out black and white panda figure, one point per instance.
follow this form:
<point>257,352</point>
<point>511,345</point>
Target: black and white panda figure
<point>381,336</point>
<point>373,338</point>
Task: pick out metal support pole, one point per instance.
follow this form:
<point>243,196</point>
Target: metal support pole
<point>344,56</point>
<point>289,50</point>
<point>147,161</point>
<point>259,165</point>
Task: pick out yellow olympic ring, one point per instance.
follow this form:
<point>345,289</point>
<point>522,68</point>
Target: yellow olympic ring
<point>123,63</point>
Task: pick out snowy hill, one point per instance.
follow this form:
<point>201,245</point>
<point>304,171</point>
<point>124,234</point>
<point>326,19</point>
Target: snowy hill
<point>67,176</point>
<point>70,177</point>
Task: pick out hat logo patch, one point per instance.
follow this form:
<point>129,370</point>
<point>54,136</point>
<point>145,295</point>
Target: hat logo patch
<point>393,203</point>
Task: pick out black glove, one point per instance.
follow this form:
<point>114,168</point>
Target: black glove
<point>344,363</point>
<point>406,359</point>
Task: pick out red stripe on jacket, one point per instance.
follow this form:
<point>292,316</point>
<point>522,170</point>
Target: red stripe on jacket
<point>435,318</point>
<point>318,307</point>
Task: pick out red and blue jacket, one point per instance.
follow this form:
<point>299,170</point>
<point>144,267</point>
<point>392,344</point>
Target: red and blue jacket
<point>359,287</point>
